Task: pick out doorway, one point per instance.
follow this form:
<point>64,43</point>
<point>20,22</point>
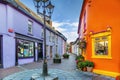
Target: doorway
<point>50,51</point>
<point>0,51</point>
<point>40,51</point>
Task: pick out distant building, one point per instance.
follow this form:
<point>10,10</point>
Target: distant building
<point>21,35</point>
<point>99,25</point>
<point>75,47</point>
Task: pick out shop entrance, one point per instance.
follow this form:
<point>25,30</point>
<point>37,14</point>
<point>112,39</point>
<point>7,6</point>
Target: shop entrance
<point>40,51</point>
<point>0,52</point>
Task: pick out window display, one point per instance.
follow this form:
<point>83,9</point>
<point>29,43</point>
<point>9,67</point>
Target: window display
<point>101,46</point>
<point>25,48</point>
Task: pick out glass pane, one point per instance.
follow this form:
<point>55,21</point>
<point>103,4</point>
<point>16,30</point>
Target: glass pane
<point>104,38</point>
<point>31,49</point>
<point>20,48</point>
<point>25,48</point>
<point>101,47</point>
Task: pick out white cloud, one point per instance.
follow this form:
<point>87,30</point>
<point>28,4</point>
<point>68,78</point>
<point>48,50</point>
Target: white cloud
<point>70,33</point>
<point>71,36</point>
<point>58,24</point>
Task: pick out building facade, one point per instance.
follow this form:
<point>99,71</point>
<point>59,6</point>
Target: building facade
<point>21,35</point>
<point>99,25</point>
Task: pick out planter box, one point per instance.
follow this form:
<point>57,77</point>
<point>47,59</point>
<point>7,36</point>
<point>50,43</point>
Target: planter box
<point>65,57</point>
<point>57,60</point>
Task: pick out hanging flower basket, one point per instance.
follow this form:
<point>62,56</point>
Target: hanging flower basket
<point>82,44</point>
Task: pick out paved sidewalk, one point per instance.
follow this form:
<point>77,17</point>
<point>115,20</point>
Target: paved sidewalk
<point>67,65</point>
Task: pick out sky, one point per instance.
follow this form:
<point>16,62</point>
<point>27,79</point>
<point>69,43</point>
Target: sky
<point>65,16</point>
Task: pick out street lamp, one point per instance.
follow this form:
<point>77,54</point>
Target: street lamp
<point>47,12</point>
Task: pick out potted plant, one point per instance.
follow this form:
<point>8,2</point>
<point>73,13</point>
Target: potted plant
<point>90,66</point>
<point>66,56</point>
<point>117,78</point>
<point>82,66</point>
<point>57,59</point>
<point>79,58</point>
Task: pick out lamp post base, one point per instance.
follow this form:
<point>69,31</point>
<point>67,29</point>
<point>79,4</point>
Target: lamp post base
<point>38,76</point>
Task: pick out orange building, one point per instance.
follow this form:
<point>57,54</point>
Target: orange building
<point>99,24</point>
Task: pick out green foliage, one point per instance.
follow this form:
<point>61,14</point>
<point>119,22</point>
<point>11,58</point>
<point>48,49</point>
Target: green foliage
<point>57,56</point>
<point>82,65</point>
<point>66,55</point>
<point>80,58</point>
<point>89,63</point>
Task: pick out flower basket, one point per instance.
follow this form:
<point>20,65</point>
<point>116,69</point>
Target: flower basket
<point>82,44</point>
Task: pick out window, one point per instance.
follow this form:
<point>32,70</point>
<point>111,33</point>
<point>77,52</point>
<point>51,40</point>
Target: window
<point>30,24</point>
<point>25,48</point>
<point>42,34</point>
<point>101,45</point>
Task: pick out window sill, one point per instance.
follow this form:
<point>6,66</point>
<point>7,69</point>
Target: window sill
<point>102,57</point>
<point>25,57</point>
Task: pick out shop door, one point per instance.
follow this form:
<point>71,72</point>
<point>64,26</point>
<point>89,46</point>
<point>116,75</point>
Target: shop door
<point>50,51</point>
<point>0,53</point>
<point>40,51</point>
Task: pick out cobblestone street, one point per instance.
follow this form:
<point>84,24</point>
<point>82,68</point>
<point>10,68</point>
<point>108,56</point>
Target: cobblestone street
<point>66,69</point>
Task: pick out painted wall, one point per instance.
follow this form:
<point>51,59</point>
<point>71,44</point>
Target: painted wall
<point>101,15</point>
<point>8,51</point>
<point>11,18</point>
<point>2,19</point>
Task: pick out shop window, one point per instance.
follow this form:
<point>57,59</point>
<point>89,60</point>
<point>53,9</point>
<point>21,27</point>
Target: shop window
<point>30,27</point>
<point>25,48</point>
<point>101,45</point>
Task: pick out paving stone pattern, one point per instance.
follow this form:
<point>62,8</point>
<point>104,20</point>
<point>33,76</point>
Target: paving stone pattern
<point>65,71</point>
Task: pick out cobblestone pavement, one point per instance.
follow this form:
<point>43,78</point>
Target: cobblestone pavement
<point>65,71</point>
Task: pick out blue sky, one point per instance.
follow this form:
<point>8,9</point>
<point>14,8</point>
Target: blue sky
<point>65,16</point>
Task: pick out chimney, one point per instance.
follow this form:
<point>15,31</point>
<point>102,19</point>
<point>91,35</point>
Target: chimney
<point>49,22</point>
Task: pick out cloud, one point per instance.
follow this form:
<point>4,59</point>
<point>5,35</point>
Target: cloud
<point>68,29</point>
<point>71,36</point>
<point>59,24</point>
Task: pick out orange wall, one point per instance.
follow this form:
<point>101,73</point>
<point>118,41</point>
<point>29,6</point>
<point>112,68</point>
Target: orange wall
<point>100,15</point>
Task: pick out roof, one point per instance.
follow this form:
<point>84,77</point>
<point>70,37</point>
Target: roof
<point>25,10</point>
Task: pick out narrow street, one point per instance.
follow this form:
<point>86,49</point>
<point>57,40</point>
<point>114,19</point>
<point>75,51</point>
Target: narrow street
<point>65,70</point>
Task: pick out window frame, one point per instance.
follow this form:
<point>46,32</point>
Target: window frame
<point>22,57</point>
<point>30,24</point>
<point>102,34</point>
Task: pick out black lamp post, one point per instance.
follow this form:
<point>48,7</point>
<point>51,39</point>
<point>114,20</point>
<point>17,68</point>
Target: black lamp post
<point>47,6</point>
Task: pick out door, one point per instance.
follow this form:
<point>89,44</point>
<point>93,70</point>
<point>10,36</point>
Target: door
<point>0,51</point>
<point>50,51</point>
<point>40,51</point>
